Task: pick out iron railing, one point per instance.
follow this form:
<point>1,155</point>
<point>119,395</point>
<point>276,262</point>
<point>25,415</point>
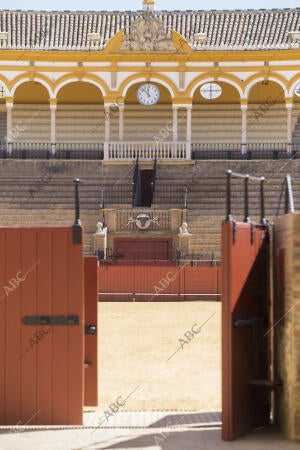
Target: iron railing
<point>174,254</point>
<point>246,179</point>
<point>170,194</point>
<point>122,194</point>
<point>199,150</point>
<point>237,151</point>
<point>135,179</point>
<point>46,150</point>
<point>88,151</point>
<point>119,194</point>
<point>153,182</point>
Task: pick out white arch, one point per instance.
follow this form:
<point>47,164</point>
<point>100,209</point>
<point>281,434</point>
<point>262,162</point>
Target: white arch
<point>36,79</point>
<point>76,80</point>
<point>212,79</point>
<point>8,92</point>
<point>291,91</point>
<point>144,78</point>
<point>257,80</point>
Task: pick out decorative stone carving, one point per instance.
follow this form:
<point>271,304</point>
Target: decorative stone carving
<point>147,33</point>
<point>183,229</point>
<point>100,228</point>
<point>143,221</point>
<point>100,239</point>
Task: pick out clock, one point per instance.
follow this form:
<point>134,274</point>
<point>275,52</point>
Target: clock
<point>210,91</point>
<point>148,94</point>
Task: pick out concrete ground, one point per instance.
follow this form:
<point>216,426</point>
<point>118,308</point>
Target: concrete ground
<point>183,438</point>
<point>161,362</point>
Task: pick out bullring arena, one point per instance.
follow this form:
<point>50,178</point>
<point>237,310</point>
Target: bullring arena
<point>149,229</point>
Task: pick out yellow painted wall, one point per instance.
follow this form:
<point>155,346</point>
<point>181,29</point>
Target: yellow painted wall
<point>31,92</point>
<point>80,92</point>
<point>261,92</point>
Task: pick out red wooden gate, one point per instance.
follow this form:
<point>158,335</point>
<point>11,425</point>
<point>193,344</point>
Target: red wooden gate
<point>245,344</point>
<point>41,326</point>
<point>90,342</point>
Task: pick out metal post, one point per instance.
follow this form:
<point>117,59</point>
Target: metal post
<point>246,200</point>
<point>286,199</point>
<point>77,229</point>
<point>228,200</point>
<point>262,201</point>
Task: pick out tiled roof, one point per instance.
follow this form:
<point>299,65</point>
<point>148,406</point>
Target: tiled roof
<point>226,30</point>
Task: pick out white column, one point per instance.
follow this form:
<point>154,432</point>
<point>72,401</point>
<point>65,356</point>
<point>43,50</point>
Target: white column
<point>189,123</point>
<point>244,109</point>
<point>106,130</point>
<point>9,135</point>
<point>121,122</point>
<point>53,108</point>
<point>107,123</point>
<point>188,131</point>
<point>289,126</point>
<point>175,123</point>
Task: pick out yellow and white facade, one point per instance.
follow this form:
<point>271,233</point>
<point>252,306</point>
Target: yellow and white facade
<point>88,96</point>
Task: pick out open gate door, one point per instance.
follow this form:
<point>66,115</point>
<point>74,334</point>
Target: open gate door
<point>41,326</point>
<point>90,343</point>
<point>245,339</point>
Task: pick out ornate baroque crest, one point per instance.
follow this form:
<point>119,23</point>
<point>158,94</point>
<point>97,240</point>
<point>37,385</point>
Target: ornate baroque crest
<point>143,221</point>
<point>147,33</point>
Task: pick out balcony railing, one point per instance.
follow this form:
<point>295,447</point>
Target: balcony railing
<point>146,150</point>
<point>150,150</point>
<point>46,150</point>
<point>257,150</point>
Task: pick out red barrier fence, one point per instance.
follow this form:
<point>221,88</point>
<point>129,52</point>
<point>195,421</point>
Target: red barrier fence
<point>158,283</point>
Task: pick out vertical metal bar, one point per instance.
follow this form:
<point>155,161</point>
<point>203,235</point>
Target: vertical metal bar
<point>262,200</point>
<point>246,199</point>
<point>77,204</point>
<point>286,197</point>
<point>77,229</point>
<point>228,199</point>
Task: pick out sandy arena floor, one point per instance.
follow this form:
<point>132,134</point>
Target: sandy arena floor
<point>136,341</point>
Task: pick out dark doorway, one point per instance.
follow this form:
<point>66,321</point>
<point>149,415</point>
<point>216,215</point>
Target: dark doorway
<point>132,250</point>
<point>145,185</point>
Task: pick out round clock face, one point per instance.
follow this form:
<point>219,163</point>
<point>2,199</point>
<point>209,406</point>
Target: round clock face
<point>148,94</point>
<point>210,91</point>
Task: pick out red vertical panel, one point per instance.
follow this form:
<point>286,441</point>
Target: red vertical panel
<point>27,359</point>
<point>75,343</point>
<point>41,372</point>
<point>60,246</point>
<point>13,335</point>
<point>90,351</point>
<point>3,331</point>
<point>227,236</point>
<point>244,324</point>
<point>44,307</point>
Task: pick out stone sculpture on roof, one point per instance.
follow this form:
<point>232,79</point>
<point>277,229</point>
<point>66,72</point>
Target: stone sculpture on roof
<point>147,33</point>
